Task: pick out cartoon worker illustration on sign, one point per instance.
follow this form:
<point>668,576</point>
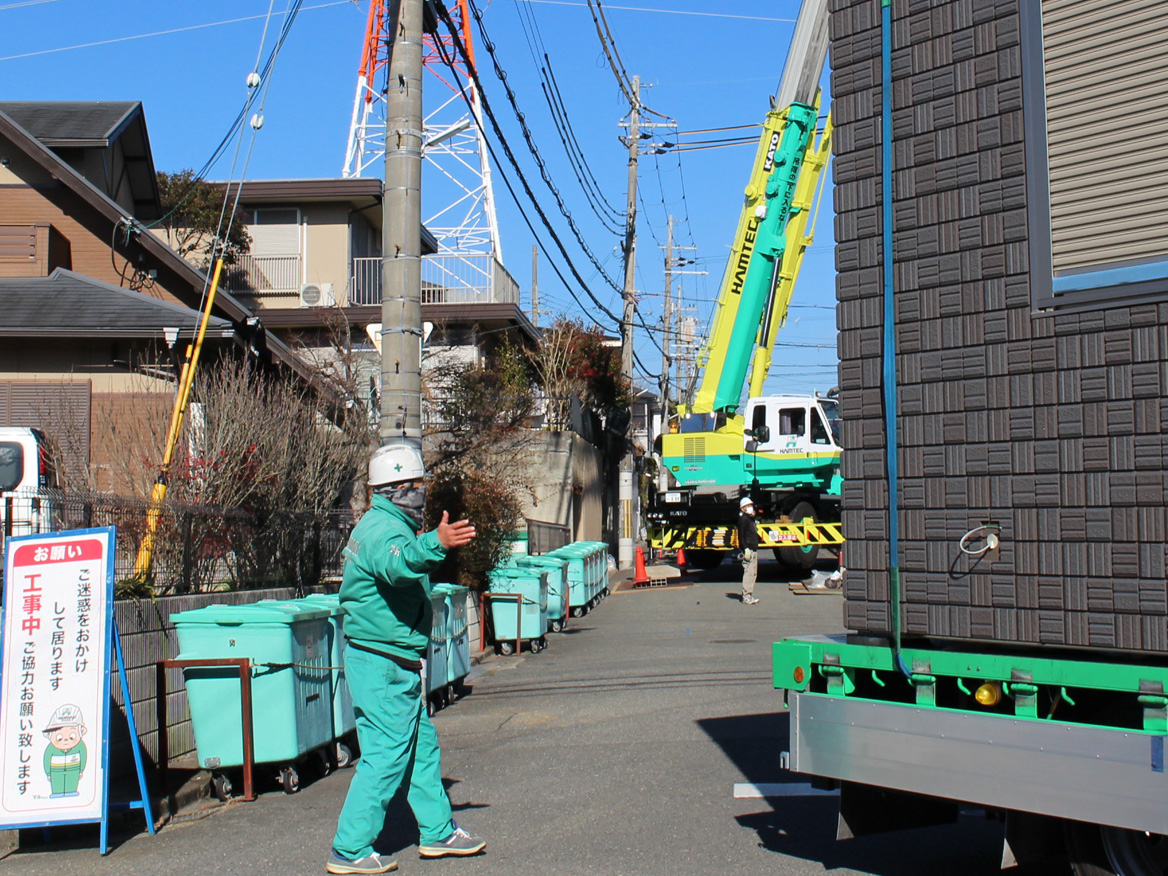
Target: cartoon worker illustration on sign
<point>65,755</point>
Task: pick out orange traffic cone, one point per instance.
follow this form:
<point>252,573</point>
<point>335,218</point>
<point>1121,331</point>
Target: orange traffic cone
<point>681,561</point>
<point>640,573</point>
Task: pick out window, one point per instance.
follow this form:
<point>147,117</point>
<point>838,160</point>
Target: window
<point>818,429</point>
<point>11,465</point>
<point>792,421</point>
<point>1096,153</point>
<point>274,231</point>
<point>758,418</point>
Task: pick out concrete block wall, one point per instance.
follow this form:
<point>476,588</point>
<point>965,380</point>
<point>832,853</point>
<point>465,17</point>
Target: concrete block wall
<point>1052,425</point>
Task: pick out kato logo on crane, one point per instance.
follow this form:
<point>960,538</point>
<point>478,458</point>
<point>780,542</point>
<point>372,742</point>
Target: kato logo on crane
<point>771,150</point>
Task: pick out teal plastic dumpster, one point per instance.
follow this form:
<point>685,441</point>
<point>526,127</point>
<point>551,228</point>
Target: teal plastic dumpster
<point>289,647</point>
<point>344,719</point>
<point>598,563</point>
<point>580,594</point>
<point>557,569</point>
<point>458,654</point>
<point>436,652</point>
<point>518,599</point>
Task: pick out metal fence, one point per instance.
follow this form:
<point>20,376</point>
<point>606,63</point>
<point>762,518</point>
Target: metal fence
<point>253,273</point>
<point>197,547</point>
<point>446,279</point>
<point>543,537</point>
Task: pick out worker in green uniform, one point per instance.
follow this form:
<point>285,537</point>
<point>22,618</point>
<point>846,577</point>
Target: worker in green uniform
<point>65,755</point>
<point>385,597</point>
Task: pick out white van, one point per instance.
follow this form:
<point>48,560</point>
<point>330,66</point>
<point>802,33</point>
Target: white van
<point>26,470</point>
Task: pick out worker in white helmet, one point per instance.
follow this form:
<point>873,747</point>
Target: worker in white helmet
<point>385,595</point>
<point>748,543</point>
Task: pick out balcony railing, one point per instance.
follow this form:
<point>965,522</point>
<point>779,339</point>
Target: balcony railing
<point>446,279</point>
<point>260,273</point>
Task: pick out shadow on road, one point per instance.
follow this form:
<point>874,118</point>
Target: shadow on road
<point>401,828</point>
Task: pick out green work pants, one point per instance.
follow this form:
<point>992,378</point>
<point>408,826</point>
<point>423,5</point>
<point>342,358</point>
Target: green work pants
<point>398,746</point>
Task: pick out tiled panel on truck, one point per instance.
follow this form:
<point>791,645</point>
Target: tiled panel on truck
<point>1030,248</point>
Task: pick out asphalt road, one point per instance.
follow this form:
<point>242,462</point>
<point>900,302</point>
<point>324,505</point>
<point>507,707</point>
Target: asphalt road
<point>614,752</point>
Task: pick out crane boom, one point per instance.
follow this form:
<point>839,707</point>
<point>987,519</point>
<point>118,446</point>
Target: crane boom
<point>757,283</point>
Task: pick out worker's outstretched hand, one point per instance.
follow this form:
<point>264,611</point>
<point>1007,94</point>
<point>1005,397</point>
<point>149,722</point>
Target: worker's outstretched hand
<point>452,535</point>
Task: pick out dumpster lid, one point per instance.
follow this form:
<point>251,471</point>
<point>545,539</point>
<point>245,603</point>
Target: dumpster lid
<point>267,612</point>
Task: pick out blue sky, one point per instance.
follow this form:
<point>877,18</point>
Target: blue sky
<point>188,62</point>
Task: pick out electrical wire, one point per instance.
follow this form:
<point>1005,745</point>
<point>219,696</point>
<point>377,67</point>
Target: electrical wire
<point>669,11</point>
<point>608,215</point>
<point>158,33</point>
<point>529,140</point>
<point>444,15</point>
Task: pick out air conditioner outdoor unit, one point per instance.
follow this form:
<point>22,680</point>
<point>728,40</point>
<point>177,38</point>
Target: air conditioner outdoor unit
<point>317,295</point>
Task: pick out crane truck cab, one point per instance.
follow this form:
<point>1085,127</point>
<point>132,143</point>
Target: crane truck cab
<point>26,470</point>
<point>791,442</point>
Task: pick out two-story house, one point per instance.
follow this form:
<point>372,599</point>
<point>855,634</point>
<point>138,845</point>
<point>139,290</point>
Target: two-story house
<point>95,306</point>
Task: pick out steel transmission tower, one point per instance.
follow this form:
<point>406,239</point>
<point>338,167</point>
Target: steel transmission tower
<point>460,202</point>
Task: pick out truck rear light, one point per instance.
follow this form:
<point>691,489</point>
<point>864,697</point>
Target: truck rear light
<point>799,675</point>
<point>989,694</point>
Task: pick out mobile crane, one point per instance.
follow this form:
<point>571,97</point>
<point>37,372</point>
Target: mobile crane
<point>782,450</point>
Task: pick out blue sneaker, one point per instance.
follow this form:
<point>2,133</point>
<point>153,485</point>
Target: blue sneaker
<point>338,863</point>
<point>458,843</point>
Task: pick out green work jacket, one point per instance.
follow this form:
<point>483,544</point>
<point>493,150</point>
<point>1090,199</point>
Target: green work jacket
<point>385,589</point>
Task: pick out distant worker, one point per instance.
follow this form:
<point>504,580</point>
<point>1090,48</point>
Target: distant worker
<point>385,597</point>
<point>748,542</point>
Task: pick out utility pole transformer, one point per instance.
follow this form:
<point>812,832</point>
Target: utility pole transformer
<point>625,487</point>
<point>401,271</point>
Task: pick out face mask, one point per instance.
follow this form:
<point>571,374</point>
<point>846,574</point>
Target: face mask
<point>412,500</point>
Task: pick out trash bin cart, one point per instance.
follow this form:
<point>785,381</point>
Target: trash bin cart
<point>436,653</point>
<point>344,719</point>
<point>288,646</point>
<point>598,565</point>
<point>557,569</point>
<point>518,599</point>
<point>458,654</point>
<point>580,595</point>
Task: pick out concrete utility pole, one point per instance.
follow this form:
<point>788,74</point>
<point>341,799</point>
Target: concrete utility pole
<point>535,286</point>
<point>625,488</point>
<point>667,320</point>
<point>401,240</point>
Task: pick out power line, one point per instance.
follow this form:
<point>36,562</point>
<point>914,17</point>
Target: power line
<point>174,30</point>
<point>668,11</point>
<point>531,147</point>
<point>25,3</point>
<point>599,203</point>
<point>486,106</point>
<point>457,40</point>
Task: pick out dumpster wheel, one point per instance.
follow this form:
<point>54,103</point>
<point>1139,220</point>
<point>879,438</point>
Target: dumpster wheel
<point>221,787</point>
<point>290,780</point>
<point>506,649</point>
<point>557,625</point>
<point>344,756</point>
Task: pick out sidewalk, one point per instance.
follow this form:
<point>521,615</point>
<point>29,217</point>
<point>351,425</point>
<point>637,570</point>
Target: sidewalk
<point>614,751</point>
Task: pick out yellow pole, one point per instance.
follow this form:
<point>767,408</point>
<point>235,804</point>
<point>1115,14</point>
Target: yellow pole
<point>185,382</point>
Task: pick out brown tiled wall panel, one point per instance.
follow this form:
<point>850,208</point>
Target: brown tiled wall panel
<point>1053,426</point>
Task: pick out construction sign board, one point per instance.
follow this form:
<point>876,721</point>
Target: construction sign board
<point>55,648</point>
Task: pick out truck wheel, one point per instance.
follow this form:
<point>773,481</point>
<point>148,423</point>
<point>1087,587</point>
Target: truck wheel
<point>1112,851</point>
<point>704,559</point>
<point>799,558</point>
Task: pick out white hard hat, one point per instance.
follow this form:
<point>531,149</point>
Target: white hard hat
<point>745,502</point>
<point>64,716</point>
<point>396,462</point>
